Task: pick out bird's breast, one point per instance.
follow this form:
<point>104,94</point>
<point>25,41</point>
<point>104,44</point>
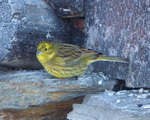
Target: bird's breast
<point>63,71</point>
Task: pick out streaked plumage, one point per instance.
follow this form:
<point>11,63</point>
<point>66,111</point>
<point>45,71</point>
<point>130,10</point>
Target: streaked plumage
<point>66,60</point>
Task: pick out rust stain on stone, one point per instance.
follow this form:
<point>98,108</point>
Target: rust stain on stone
<point>55,111</point>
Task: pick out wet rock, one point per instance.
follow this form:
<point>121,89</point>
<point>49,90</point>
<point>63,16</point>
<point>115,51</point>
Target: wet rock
<point>122,105</point>
<point>68,8</point>
<point>121,29</point>
<point>22,29</point>
<point>32,92</point>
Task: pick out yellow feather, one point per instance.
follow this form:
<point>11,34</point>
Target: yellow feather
<point>66,60</point>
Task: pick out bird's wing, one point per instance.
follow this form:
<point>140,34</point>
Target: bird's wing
<point>69,52</point>
<point>72,53</point>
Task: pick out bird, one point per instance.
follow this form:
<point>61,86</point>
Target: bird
<point>63,60</point>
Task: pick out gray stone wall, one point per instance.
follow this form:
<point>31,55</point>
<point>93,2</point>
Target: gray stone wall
<point>121,28</point>
<point>23,25</point>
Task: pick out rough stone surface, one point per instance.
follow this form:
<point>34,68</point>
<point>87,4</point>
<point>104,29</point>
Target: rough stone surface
<point>122,105</point>
<point>68,8</point>
<point>23,24</point>
<point>22,91</point>
<point>121,28</point>
<point>55,111</point>
<point>77,30</point>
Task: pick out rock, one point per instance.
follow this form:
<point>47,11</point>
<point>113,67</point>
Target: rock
<point>121,29</point>
<point>68,8</point>
<point>73,10</point>
<point>36,93</point>
<point>22,29</point>
<point>122,105</point>
<point>55,111</point>
<point>77,31</point>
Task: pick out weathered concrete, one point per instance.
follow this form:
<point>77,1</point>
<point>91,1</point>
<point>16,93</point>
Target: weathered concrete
<point>122,105</point>
<point>23,24</point>
<point>121,28</point>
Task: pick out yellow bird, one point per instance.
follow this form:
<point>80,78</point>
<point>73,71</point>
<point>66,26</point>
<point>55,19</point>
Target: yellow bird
<point>66,60</point>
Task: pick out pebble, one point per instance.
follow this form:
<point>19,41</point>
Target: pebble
<point>100,82</point>
<point>146,106</point>
<point>141,90</point>
<point>118,101</point>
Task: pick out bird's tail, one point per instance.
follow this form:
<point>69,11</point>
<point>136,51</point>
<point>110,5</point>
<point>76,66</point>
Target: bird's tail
<point>108,58</point>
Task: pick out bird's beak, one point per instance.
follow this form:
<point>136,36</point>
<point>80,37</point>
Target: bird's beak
<point>38,53</point>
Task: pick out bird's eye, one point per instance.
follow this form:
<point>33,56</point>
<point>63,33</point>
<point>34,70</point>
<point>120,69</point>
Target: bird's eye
<point>45,49</point>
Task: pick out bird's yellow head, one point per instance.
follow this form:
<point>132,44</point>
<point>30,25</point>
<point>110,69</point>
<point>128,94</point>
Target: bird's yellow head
<point>45,51</point>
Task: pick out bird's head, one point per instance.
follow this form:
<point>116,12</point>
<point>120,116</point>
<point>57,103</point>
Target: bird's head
<point>45,51</point>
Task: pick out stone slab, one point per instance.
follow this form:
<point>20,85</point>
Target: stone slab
<point>121,28</point>
<point>122,105</point>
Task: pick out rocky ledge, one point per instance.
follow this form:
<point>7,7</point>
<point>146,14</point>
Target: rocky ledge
<point>122,105</point>
<point>36,94</point>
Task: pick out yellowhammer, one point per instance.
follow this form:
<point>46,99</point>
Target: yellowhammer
<point>66,60</point>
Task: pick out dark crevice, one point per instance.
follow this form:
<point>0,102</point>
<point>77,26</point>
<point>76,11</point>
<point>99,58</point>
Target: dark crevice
<point>121,85</point>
